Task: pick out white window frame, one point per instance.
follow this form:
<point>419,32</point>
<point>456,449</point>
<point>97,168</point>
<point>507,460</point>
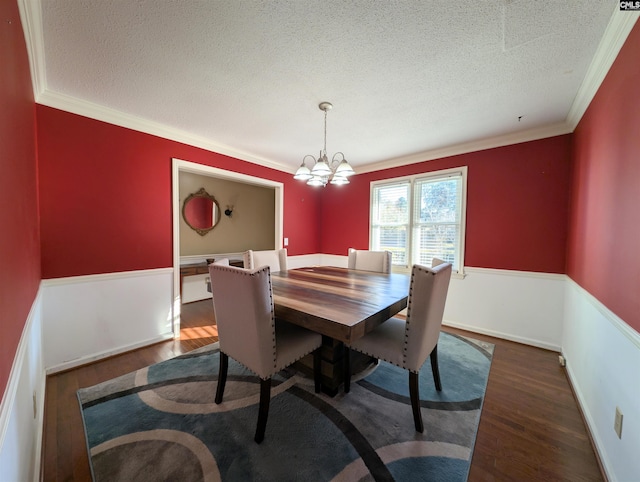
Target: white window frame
<point>433,175</point>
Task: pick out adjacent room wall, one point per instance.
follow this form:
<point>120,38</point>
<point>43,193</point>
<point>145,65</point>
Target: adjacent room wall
<point>250,226</point>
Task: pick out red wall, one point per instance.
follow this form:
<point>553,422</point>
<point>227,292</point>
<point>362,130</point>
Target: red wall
<point>106,200</point>
<point>105,194</point>
<point>19,238</point>
<point>517,206</point>
<point>605,218</point>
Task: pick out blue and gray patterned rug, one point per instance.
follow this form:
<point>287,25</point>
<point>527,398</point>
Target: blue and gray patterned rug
<point>161,423</point>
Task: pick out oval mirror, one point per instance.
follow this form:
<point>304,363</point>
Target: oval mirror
<point>201,211</point>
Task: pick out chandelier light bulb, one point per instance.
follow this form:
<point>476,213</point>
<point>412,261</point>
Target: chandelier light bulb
<point>303,173</point>
<point>339,180</point>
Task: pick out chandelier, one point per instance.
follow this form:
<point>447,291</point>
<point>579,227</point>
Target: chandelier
<point>335,172</point>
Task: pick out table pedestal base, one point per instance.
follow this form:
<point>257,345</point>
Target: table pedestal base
<point>332,355</point>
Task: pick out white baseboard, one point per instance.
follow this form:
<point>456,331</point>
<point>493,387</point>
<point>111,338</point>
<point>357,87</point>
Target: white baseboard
<point>502,335</point>
<point>106,354</point>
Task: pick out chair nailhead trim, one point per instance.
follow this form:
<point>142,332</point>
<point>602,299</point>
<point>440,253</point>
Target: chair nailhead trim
<point>249,272</point>
<point>273,319</point>
<point>376,356</point>
<point>408,322</point>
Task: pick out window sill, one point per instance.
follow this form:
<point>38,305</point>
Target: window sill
<point>407,270</point>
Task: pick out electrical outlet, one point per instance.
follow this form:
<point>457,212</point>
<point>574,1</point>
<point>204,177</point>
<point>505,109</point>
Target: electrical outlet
<point>286,242</point>
<point>617,424</point>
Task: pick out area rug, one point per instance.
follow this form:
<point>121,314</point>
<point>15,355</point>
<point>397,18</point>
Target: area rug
<point>161,423</point>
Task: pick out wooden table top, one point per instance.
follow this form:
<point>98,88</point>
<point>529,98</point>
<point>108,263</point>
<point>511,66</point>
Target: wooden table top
<point>340,303</point>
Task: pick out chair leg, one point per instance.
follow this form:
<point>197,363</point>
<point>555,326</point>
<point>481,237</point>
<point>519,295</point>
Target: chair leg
<point>346,369</point>
<point>414,393</point>
<point>434,368</point>
<point>222,376</point>
<point>316,370</point>
<point>263,413</point>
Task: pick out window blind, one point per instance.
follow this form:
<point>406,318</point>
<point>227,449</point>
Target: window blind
<point>390,220</point>
<point>436,219</point>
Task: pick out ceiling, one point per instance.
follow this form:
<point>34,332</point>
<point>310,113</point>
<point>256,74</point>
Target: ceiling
<point>409,80</point>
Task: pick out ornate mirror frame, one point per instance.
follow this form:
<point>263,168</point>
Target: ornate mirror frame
<point>201,193</point>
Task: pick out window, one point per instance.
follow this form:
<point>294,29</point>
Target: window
<point>420,217</point>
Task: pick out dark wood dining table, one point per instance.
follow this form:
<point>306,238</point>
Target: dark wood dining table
<point>339,303</point>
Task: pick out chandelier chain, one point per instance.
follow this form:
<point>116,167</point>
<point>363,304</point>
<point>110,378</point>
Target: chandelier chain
<point>325,133</point>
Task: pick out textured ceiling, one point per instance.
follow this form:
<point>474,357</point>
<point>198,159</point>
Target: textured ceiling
<point>405,77</point>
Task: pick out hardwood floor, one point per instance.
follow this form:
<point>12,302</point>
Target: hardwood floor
<point>530,428</point>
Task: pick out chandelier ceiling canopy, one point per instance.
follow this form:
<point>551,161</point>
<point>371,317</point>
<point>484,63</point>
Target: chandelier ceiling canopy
<point>335,172</point>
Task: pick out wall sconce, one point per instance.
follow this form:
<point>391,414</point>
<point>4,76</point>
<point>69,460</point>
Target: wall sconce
<point>228,211</point>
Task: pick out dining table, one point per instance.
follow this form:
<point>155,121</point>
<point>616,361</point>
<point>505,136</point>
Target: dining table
<point>341,304</point>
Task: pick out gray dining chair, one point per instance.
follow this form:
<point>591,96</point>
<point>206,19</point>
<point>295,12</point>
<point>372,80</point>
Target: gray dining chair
<point>249,333</point>
<point>408,343</point>
<point>379,261</point>
<point>276,259</point>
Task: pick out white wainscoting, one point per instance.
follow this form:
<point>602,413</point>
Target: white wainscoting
<point>525,307</point>
<point>86,318</point>
<point>301,261</point>
<point>21,412</point>
<point>603,363</point>
<point>332,260</point>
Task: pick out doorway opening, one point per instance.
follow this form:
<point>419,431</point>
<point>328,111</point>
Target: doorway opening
<point>203,310</point>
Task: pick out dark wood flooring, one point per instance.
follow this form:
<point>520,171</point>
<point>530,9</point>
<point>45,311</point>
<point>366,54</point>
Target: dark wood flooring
<point>530,430</point>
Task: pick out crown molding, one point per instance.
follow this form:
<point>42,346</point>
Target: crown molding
<point>615,35</point>
<point>113,116</point>
<point>473,146</point>
<point>31,18</point>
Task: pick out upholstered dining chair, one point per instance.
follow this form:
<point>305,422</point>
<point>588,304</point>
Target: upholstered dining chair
<point>379,261</point>
<point>408,343</point>
<point>276,259</point>
<point>221,262</point>
<point>249,333</point>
